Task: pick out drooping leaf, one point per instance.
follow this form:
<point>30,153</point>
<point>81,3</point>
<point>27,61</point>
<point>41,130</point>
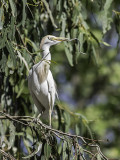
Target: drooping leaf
<point>11,34</point>
<point>106,16</point>
<point>3,62</point>
<point>64,154</point>
<point>1,17</point>
<point>95,55</point>
<point>3,38</point>
<point>24,12</point>
<point>106,44</point>
<point>47,150</point>
<point>23,60</point>
<point>12,53</point>
<point>12,130</point>
<point>13,8</point>
<point>38,148</point>
<point>66,121</point>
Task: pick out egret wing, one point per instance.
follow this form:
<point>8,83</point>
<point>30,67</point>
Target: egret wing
<point>51,89</point>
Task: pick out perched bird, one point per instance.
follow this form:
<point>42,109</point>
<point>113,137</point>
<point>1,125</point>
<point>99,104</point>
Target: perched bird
<point>40,80</point>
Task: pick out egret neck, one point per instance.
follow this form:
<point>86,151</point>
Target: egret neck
<point>46,52</point>
<point>43,68</point>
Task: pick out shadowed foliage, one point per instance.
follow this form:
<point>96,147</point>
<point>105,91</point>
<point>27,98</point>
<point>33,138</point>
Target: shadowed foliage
<point>88,84</point>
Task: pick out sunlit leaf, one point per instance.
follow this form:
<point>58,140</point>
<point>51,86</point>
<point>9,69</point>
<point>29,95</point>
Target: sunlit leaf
<point>106,44</point>
<point>12,134</point>
<point>13,7</point>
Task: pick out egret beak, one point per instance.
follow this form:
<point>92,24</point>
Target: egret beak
<point>59,39</point>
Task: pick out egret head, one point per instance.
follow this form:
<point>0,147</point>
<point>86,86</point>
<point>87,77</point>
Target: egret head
<point>50,40</point>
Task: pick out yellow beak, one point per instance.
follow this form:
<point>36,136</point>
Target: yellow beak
<point>59,39</point>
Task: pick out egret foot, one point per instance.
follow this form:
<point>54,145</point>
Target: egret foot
<point>35,120</point>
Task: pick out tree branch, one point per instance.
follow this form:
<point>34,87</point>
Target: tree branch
<point>28,121</point>
<point>7,155</point>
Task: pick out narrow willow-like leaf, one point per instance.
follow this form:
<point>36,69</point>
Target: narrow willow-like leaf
<point>38,148</point>
<point>1,15</point>
<point>12,134</point>
<point>21,88</point>
<point>12,26</point>
<point>95,54</point>
<point>77,129</point>
<point>3,38</point>
<point>64,150</point>
<point>2,132</point>
<point>47,150</point>
<point>49,12</point>
<point>24,13</point>
<point>3,62</point>
<point>12,53</point>
<point>69,55</point>
<point>31,43</point>
<point>106,44</point>
<point>60,147</point>
<point>63,18</point>
<point>23,60</point>
<point>106,16</point>
<point>67,121</point>
<point>13,7</point>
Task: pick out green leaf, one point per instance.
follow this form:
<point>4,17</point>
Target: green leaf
<point>77,130</point>
<point>12,53</point>
<point>31,43</point>
<point>3,62</point>
<point>24,13</point>
<point>66,121</point>
<point>1,18</point>
<point>60,147</point>
<point>12,134</point>
<point>11,34</point>
<point>2,131</point>
<point>3,38</point>
<point>106,16</point>
<point>68,54</point>
<point>22,59</point>
<point>63,18</point>
<point>47,150</point>
<point>13,8</point>
<point>64,155</point>
<point>106,44</point>
<point>38,148</point>
<point>22,88</point>
<point>95,54</point>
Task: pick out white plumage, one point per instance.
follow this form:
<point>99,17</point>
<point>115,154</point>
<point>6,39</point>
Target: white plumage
<point>40,80</point>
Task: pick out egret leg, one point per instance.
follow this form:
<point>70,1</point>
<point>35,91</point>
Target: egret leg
<point>50,117</point>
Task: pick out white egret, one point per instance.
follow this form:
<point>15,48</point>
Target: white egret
<point>40,80</point>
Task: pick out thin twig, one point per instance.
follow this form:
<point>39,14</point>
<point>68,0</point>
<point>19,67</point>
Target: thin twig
<point>7,155</point>
<point>23,43</point>
<point>88,152</point>
<point>28,120</point>
<point>11,118</point>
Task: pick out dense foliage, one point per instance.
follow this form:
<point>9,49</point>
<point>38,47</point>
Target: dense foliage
<point>88,84</point>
